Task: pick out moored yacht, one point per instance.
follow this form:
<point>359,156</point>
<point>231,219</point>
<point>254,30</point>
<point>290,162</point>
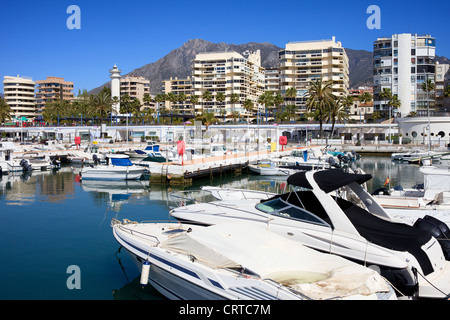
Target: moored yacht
<point>331,212</point>
<point>238,261</point>
<point>118,167</point>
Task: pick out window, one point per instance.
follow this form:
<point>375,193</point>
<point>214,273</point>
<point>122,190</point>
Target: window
<point>280,207</point>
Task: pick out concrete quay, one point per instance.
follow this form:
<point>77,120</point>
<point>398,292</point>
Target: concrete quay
<point>184,172</point>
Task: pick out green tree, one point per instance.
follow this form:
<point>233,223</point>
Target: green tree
<point>234,98</point>
<point>266,99</point>
<point>291,94</point>
<point>206,97</point>
<point>220,97</point>
<point>207,118</point>
<point>365,97</point>
<point>319,98</point>
<point>5,111</point>
<point>102,104</point>
<point>338,111</point>
<point>248,106</point>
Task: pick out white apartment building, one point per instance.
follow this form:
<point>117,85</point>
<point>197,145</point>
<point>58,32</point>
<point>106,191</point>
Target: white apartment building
<point>135,87</point>
<point>402,63</point>
<point>442,80</point>
<point>229,73</point>
<point>19,95</point>
<point>303,61</point>
<point>179,87</point>
<point>272,82</point>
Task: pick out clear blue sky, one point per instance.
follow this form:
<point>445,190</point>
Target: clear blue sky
<point>36,42</point>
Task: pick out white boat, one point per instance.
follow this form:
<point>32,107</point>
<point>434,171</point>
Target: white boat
<point>241,261</point>
<point>37,161</point>
<point>270,168</point>
<point>87,156</point>
<point>416,155</point>
<point>118,167</point>
<point>432,197</point>
<point>320,217</point>
<point>313,158</point>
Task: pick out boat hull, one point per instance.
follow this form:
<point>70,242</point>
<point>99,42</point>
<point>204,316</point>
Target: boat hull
<point>112,173</point>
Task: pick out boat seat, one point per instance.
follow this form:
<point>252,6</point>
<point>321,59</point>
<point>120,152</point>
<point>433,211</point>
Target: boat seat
<point>391,235</point>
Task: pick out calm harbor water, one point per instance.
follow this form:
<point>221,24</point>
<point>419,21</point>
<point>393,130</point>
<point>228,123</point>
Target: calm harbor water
<point>51,221</point>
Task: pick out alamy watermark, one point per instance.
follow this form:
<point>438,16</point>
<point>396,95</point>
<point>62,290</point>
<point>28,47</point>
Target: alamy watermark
<point>74,21</point>
<point>74,280</point>
<point>374,21</point>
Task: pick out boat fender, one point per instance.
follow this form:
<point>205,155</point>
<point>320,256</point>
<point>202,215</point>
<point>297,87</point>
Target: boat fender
<point>438,230</point>
<point>145,273</point>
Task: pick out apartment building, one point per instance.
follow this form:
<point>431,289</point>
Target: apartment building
<point>136,87</point>
<point>232,74</point>
<point>272,79</point>
<point>179,87</point>
<point>360,111</point>
<point>442,81</point>
<point>52,89</point>
<point>19,95</point>
<point>303,61</point>
<point>402,63</point>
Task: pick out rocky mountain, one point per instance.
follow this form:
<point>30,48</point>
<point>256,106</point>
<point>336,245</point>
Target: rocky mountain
<point>177,62</point>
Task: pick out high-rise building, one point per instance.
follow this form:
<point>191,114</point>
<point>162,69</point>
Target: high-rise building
<point>442,80</point>
<point>272,80</point>
<point>52,89</point>
<point>179,87</point>
<point>303,61</point>
<point>231,73</point>
<point>402,63</point>
<point>19,95</point>
<point>135,87</point>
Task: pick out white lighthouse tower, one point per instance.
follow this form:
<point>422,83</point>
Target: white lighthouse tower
<point>115,86</point>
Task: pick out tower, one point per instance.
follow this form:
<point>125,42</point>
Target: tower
<point>115,87</point>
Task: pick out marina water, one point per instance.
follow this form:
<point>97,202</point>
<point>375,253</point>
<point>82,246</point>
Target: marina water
<point>57,242</point>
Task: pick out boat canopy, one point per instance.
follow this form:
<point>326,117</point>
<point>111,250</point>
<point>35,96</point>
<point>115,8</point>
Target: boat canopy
<point>328,180</point>
<point>121,162</point>
<point>272,256</point>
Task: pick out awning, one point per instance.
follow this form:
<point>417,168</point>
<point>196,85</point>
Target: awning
<point>328,180</point>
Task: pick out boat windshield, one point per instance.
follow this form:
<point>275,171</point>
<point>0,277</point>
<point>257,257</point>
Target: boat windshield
<point>121,162</point>
<point>284,209</point>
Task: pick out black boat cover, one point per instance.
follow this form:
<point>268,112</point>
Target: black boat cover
<point>328,180</point>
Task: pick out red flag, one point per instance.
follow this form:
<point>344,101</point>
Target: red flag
<point>386,182</point>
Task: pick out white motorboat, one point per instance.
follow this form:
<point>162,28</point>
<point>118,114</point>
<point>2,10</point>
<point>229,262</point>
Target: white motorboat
<point>313,158</point>
<point>89,155</point>
<point>270,168</point>
<point>320,217</point>
<point>432,197</point>
<point>416,155</point>
<point>37,161</point>
<point>118,167</point>
<point>241,261</point>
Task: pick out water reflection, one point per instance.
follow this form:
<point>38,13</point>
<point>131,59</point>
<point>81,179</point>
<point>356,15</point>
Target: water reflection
<point>116,193</point>
<point>25,188</point>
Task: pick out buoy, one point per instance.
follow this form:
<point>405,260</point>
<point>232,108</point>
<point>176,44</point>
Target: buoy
<point>145,273</point>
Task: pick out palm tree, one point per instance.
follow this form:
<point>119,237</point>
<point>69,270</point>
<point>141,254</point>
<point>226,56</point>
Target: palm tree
<point>234,98</point>
<point>291,93</point>
<point>220,97</point>
<point>428,85</point>
<point>5,111</point>
<point>267,100</point>
<point>386,95</point>
<point>206,96</point>
<point>447,92</point>
<point>102,103</point>
<point>278,100</point>
<point>248,106</point>
<point>159,98</point>
<point>365,97</point>
<point>193,100</point>
<point>338,111</point>
<point>207,118</point>
<point>319,98</point>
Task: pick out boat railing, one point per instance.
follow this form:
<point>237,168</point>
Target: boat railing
<point>122,225</point>
<point>184,199</point>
